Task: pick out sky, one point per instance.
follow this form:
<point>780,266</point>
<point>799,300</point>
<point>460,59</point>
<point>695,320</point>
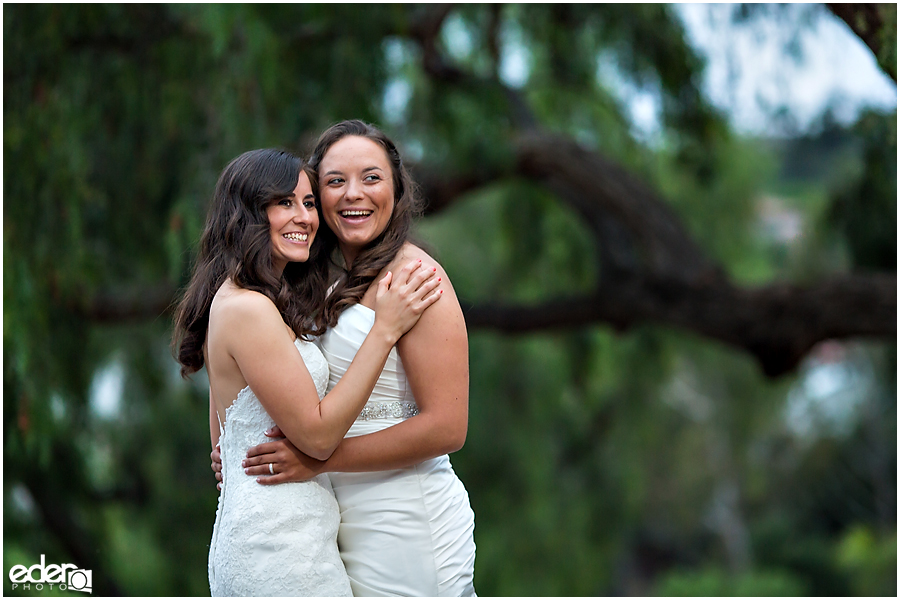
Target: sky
<point>750,74</point>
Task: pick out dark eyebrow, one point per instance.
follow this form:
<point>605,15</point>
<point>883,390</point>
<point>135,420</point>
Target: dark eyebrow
<point>366,170</point>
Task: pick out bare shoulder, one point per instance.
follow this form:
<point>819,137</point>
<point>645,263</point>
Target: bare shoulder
<point>447,308</point>
<point>442,325</point>
<point>410,252</point>
<point>231,298</point>
<point>235,306</point>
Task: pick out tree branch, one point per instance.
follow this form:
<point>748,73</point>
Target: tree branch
<point>869,24</point>
<point>440,191</point>
<point>425,28</point>
<point>601,191</point>
<point>425,31</point>
<point>653,271</point>
<point>777,324</point>
<point>493,37</point>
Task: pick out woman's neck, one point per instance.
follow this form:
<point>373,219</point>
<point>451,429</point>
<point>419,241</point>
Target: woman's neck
<point>349,255</point>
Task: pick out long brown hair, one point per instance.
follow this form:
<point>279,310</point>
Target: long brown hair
<point>236,244</point>
<point>381,251</point>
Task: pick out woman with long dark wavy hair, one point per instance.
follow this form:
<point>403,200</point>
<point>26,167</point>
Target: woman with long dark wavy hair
<point>406,523</point>
<point>247,315</point>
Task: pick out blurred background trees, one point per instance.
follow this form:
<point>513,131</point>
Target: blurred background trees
<point>683,336</point>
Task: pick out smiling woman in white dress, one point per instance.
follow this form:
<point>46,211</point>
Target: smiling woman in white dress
<point>249,304</point>
<point>407,528</point>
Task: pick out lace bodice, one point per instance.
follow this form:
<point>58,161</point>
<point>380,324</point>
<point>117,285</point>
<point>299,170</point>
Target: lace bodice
<point>278,540</point>
<point>253,417</point>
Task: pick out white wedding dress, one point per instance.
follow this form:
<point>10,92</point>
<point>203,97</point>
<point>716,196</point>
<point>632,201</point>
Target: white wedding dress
<point>277,540</point>
<point>404,532</point>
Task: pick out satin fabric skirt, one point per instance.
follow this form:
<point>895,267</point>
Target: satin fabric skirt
<point>405,532</point>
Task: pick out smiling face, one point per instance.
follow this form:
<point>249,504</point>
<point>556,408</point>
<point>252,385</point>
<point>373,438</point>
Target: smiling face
<point>357,192</point>
<point>293,222</point>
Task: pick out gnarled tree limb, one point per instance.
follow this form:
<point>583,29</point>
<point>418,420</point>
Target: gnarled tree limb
<point>651,270</point>
<point>777,324</point>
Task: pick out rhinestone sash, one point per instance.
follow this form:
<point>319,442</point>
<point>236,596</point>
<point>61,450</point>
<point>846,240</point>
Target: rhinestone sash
<point>401,409</point>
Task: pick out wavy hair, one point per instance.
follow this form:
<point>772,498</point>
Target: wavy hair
<point>383,249</point>
<point>236,244</point>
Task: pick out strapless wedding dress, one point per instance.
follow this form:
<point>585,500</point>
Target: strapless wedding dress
<point>278,540</point>
<point>404,532</point>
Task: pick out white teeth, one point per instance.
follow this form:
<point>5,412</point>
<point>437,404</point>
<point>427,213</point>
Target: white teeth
<point>297,237</point>
<point>356,213</point>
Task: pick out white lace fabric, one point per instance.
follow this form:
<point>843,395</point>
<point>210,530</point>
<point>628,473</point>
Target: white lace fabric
<point>276,540</point>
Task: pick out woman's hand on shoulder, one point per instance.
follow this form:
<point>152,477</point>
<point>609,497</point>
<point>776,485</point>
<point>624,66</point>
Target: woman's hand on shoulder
<point>411,253</point>
<point>402,297</point>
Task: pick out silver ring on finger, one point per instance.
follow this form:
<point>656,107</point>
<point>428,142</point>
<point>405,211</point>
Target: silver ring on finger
<point>271,469</point>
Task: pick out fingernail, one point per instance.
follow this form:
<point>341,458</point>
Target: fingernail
<point>244,463</point>
<point>246,471</point>
<point>439,278</point>
<point>434,269</point>
<point>441,292</point>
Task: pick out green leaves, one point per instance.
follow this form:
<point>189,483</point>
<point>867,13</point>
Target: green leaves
<point>588,450</point>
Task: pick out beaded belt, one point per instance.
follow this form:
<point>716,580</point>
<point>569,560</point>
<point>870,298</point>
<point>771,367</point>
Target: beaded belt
<point>402,409</point>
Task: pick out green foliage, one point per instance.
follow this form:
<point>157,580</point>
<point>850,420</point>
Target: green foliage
<point>597,462</point>
<point>863,210</point>
<point>720,210</point>
<point>508,231</point>
<point>871,561</point>
<point>714,582</point>
<point>887,39</point>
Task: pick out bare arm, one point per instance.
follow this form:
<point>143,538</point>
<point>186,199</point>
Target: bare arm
<point>213,423</point>
<point>435,358</point>
<point>215,456</point>
<point>268,362</point>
